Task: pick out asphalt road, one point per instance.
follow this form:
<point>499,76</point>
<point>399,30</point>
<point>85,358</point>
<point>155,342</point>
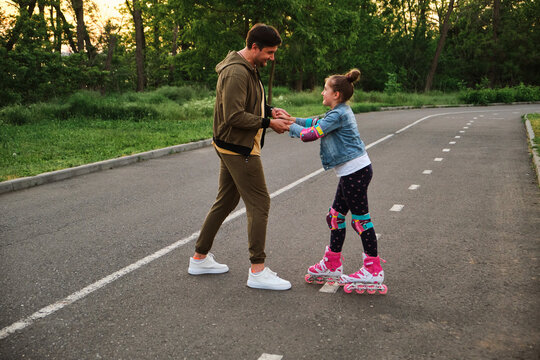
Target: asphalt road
<point>95,267</point>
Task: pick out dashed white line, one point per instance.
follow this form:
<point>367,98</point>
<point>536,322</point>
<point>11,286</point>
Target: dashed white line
<point>329,288</point>
<point>427,172</point>
<point>438,159</point>
<point>397,207</point>
<point>461,131</point>
<point>270,357</point>
<point>414,187</point>
<point>452,143</point>
<point>457,137</point>
<point>446,150</point>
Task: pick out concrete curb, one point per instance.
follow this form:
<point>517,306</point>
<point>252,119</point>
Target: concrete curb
<point>386,108</point>
<point>27,182</point>
<point>535,157</point>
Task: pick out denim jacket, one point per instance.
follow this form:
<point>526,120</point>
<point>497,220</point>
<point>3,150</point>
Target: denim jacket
<point>340,139</point>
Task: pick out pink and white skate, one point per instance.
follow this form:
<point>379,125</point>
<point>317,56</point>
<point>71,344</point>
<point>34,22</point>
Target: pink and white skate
<point>328,270</point>
<point>368,279</point>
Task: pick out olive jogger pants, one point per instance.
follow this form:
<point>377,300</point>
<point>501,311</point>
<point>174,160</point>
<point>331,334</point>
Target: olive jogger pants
<point>239,176</point>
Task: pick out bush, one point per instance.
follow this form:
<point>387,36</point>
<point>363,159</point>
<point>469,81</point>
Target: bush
<point>16,115</point>
<point>526,93</point>
<point>180,94</point>
<point>280,90</point>
<point>392,85</point>
<point>91,104</point>
<point>505,95</point>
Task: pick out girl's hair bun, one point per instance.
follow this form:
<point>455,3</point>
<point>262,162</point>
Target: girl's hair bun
<point>353,76</point>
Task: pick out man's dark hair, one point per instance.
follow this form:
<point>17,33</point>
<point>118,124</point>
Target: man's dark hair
<point>263,35</point>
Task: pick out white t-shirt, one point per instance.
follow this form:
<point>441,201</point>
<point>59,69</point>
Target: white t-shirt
<point>352,166</point>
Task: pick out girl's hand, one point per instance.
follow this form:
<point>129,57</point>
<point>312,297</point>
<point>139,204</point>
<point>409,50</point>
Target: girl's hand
<point>278,113</point>
<point>288,118</point>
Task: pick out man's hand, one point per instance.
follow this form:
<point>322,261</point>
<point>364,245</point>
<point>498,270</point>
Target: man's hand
<point>278,112</point>
<point>280,125</point>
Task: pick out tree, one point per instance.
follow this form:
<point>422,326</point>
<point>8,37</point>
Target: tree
<point>440,45</point>
<point>82,33</point>
<point>140,43</point>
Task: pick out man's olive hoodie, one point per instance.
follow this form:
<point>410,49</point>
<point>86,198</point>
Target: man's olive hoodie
<point>238,111</point>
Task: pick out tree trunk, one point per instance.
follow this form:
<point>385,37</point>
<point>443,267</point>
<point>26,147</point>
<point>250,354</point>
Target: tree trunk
<point>110,52</point>
<point>56,25</point>
<point>65,26</point>
<point>440,45</point>
<point>299,80</point>
<point>17,28</point>
<point>79,17</point>
<point>136,12</point>
<point>495,59</point>
<point>270,82</point>
<point>174,51</point>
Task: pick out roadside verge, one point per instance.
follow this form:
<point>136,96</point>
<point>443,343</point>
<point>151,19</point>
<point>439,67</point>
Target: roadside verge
<point>535,157</point>
<point>30,181</point>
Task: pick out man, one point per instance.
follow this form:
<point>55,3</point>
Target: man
<point>241,117</point>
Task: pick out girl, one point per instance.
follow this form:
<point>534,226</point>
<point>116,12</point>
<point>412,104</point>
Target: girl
<point>344,151</point>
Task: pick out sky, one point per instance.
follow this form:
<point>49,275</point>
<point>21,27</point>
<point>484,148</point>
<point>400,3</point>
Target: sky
<point>107,8</point>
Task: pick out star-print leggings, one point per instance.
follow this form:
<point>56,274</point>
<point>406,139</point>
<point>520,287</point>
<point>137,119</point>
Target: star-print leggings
<point>351,195</point>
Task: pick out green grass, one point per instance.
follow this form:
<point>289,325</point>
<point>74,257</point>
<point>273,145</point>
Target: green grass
<point>87,127</point>
<point>534,119</point>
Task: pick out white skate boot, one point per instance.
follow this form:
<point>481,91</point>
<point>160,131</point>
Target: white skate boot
<point>329,269</point>
<point>369,278</point>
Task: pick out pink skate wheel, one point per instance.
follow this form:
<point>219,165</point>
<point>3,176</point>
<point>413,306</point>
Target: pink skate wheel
<point>320,280</point>
<point>308,279</point>
<point>371,290</point>
<point>347,288</point>
<point>360,290</point>
<point>384,290</point>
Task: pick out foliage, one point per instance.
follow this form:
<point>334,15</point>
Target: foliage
<point>484,96</point>
<point>391,41</point>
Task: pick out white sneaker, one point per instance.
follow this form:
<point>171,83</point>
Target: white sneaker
<point>206,266</point>
<point>267,279</point>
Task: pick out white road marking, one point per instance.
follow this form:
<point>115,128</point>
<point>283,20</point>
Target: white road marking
<point>330,289</point>
<point>414,187</point>
<point>452,143</point>
<point>427,172</point>
<point>438,159</point>
<point>270,357</point>
<point>446,150</point>
<point>457,137</point>
<point>462,131</point>
<point>50,309</point>
<point>397,207</point>
<point>465,127</point>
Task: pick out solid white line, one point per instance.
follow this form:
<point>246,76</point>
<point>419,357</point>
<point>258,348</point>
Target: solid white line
<point>379,141</point>
<point>50,309</point>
